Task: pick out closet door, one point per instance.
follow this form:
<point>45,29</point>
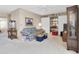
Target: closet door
<point>72,41</point>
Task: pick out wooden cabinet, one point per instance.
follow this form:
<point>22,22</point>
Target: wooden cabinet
<point>64,33</point>
<point>12,32</point>
<point>73,26</point>
<point>64,37</point>
<point>0,30</point>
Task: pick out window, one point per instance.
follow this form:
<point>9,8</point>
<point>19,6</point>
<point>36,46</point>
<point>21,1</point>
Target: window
<point>3,23</point>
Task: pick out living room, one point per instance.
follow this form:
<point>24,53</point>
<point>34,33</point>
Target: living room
<point>29,28</point>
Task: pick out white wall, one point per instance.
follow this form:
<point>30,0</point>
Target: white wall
<point>61,21</point>
<point>24,13</point>
<point>46,24</point>
<point>19,15</point>
<point>3,15</point>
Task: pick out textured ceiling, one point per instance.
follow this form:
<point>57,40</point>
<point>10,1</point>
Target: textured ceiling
<point>38,9</point>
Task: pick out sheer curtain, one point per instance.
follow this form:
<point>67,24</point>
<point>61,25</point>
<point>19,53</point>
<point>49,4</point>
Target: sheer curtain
<point>3,24</point>
<point>46,24</point>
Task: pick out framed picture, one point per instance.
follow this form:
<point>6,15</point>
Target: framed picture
<point>28,21</point>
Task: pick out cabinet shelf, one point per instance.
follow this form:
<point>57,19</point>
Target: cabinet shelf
<point>53,24</point>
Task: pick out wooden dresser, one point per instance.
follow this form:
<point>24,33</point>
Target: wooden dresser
<point>12,33</point>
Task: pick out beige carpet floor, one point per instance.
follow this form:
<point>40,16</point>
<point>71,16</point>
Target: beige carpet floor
<point>52,45</point>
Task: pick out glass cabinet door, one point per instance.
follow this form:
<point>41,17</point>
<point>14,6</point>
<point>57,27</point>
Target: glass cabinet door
<point>72,21</point>
<point>72,24</point>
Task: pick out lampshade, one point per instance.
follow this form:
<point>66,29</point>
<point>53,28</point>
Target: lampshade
<point>39,24</point>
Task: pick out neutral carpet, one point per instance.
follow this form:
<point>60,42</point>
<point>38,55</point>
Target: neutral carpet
<point>52,45</point>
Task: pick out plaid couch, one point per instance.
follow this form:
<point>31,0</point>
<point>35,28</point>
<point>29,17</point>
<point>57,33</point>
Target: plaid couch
<point>29,33</point>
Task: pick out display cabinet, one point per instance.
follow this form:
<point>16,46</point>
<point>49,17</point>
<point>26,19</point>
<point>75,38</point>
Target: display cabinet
<point>54,25</point>
<point>73,29</point>
<point>12,32</point>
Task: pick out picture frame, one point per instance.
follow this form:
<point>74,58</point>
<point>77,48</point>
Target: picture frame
<point>28,21</point>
